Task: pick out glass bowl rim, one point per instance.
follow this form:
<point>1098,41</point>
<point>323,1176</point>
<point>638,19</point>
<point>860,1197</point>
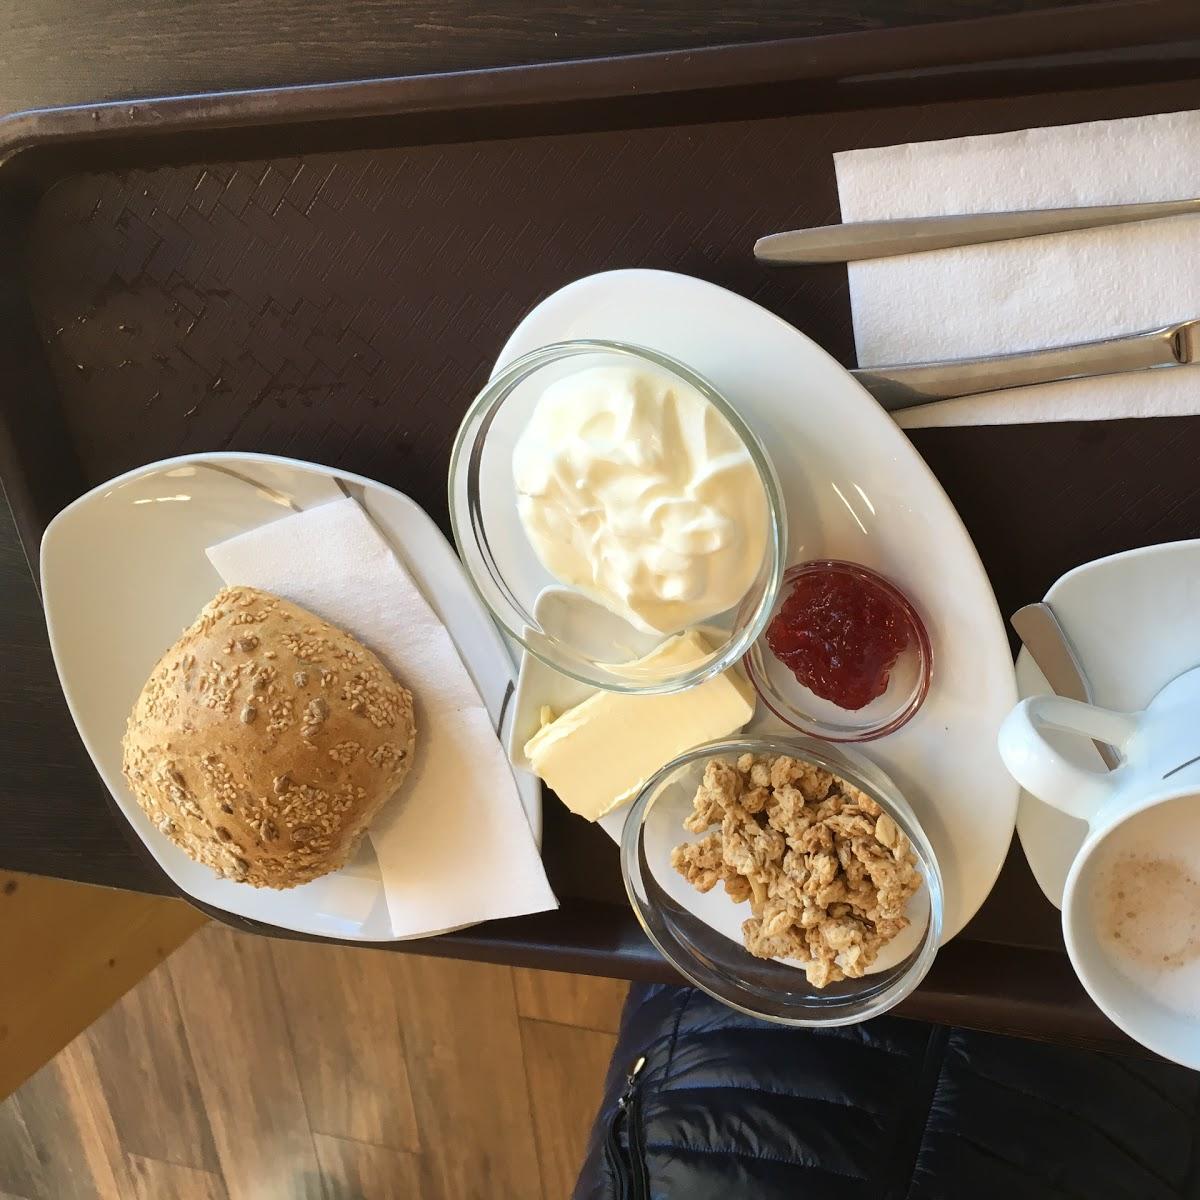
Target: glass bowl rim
<point>840,734</point>
<point>488,401</point>
<point>903,814</point>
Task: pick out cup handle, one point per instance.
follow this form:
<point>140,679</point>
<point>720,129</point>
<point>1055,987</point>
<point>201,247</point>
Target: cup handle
<point>1045,773</point>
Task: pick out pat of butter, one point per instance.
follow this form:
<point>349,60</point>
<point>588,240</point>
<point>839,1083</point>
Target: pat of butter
<point>598,754</point>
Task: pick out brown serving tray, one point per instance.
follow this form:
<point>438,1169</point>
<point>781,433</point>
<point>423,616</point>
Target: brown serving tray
<point>328,272</point>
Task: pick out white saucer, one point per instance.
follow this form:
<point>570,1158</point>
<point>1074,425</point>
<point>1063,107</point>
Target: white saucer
<point>1134,620</point>
<point>124,571</point>
<point>856,489</point>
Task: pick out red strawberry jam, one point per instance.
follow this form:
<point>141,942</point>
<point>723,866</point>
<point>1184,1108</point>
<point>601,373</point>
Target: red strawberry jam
<point>840,634</point>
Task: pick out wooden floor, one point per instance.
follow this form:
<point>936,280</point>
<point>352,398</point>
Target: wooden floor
<point>249,1069</point>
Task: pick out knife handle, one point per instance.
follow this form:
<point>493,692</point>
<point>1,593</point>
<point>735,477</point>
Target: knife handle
<point>857,240</point>
<point>905,386</point>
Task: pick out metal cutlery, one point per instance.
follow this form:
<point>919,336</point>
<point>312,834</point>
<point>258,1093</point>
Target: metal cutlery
<point>1051,650</point>
<point>907,384</point>
<point>857,240</point>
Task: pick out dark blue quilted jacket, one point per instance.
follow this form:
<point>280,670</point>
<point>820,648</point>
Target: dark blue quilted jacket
<point>726,1107</point>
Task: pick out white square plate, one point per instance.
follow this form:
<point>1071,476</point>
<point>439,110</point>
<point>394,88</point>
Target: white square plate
<point>124,572</point>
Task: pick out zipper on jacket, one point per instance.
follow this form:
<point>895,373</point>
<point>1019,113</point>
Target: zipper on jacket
<point>915,1119</point>
<point>628,1163</point>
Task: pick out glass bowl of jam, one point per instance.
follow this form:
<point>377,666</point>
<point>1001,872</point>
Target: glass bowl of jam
<point>845,656</point>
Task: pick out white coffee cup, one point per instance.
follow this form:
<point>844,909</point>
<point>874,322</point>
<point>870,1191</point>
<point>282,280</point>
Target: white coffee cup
<point>1160,766</point>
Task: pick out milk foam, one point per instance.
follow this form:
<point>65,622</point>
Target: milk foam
<point>1145,902</point>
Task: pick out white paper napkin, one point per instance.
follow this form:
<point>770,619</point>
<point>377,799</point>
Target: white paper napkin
<point>1037,292</point>
<point>454,846</point>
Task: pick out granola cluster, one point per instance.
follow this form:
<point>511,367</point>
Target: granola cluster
<point>826,871</point>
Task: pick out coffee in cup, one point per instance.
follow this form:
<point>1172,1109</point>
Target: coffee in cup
<point>1131,905</point>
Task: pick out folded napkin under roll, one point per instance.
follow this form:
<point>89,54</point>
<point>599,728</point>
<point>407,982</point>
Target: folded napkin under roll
<point>454,846</point>
<point>1036,292</point>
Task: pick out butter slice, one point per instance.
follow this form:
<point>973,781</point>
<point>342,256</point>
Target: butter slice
<point>598,755</point>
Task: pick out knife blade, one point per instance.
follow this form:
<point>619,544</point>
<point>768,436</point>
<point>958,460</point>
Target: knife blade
<point>857,240</point>
<point>1051,649</point>
<point>906,385</point>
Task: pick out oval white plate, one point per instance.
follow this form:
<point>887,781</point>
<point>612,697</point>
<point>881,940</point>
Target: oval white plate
<point>124,572</point>
<point>1132,620</point>
<point>856,489</point>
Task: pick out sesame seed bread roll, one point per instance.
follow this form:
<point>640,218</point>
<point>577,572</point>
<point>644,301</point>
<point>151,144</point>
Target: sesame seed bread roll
<point>266,740</point>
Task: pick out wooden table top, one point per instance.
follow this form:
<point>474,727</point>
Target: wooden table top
<point>56,820</point>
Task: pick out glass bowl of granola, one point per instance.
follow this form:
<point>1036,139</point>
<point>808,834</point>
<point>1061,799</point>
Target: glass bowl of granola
<point>786,877</point>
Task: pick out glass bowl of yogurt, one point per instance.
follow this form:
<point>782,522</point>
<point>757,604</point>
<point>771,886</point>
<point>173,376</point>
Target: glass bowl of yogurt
<point>605,500</point>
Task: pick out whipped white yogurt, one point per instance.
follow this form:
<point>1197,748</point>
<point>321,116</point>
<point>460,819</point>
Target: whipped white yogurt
<point>635,490</point>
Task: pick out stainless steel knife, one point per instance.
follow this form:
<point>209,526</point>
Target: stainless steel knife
<point>1051,649</point>
<point>914,235</point>
<point>908,384</point>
